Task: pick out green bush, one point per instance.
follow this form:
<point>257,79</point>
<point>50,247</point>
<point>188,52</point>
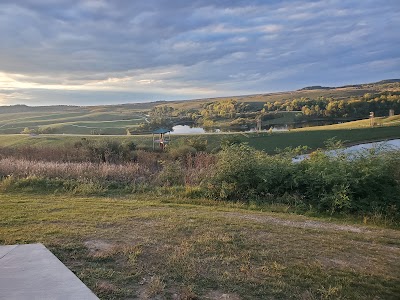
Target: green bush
<point>366,184</point>
<point>236,174</point>
<point>200,144</point>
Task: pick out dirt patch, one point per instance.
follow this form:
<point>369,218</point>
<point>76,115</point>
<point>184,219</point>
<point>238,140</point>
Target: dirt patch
<point>298,224</point>
<point>97,246</point>
<point>105,287</point>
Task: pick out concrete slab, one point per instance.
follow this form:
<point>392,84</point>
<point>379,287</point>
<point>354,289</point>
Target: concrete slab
<point>33,272</point>
<point>5,249</point>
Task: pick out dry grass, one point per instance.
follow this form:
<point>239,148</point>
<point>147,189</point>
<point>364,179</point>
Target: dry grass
<point>86,177</point>
<point>129,172</point>
<point>139,247</point>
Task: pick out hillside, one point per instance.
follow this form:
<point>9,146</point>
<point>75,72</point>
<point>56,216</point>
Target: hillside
<point>117,119</point>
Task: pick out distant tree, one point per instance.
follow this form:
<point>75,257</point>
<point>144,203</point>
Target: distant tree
<point>27,131</point>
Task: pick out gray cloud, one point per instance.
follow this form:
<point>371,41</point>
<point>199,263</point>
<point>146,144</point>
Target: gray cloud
<point>200,48</point>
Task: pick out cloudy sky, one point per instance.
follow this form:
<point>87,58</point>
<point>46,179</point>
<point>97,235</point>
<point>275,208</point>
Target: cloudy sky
<point>119,51</point>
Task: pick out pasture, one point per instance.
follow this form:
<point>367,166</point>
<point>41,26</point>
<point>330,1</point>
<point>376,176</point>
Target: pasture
<point>109,120</point>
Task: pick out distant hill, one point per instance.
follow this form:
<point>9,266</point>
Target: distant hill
<point>129,117</point>
<point>315,87</point>
<point>319,87</point>
<point>388,81</point>
<point>257,100</point>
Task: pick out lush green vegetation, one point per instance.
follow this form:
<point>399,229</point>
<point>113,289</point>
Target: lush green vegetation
<point>364,183</point>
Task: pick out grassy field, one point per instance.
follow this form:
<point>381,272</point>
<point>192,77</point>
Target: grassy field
<point>379,122</point>
<point>111,120</point>
<point>152,246</point>
<point>312,137</point>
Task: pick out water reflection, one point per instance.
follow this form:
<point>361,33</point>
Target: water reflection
<point>185,129</point>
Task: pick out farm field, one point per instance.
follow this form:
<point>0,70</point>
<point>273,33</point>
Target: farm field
<point>162,247</point>
<point>78,120</point>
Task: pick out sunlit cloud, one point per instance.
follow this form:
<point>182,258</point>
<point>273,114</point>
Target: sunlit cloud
<point>102,51</point>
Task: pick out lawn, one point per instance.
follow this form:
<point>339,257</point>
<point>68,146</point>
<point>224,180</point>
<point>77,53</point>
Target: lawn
<point>157,246</point>
<point>365,123</point>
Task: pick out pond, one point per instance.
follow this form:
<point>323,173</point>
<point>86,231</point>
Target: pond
<point>381,146</point>
<point>185,129</point>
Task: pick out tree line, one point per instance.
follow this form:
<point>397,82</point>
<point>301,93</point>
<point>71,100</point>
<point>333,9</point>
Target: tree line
<point>379,103</point>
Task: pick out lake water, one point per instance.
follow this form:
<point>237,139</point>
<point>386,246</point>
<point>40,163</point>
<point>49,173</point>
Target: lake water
<point>382,146</point>
<point>185,129</point>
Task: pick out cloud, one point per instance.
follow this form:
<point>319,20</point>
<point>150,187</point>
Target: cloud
<point>177,49</point>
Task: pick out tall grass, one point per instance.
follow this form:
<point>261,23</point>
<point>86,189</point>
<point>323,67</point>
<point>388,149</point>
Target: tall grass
<point>21,168</point>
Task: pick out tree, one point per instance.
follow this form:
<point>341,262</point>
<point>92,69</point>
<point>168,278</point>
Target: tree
<point>27,131</point>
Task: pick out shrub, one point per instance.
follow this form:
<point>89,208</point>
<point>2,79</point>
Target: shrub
<point>334,183</point>
<point>237,173</point>
<point>181,151</point>
<point>200,144</point>
<point>171,173</point>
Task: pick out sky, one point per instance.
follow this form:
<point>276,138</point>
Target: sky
<point>90,52</point>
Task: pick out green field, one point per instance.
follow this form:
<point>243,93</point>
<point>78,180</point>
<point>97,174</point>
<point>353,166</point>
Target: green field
<point>312,137</point>
<point>366,123</point>
<point>160,247</point>
<point>111,120</point>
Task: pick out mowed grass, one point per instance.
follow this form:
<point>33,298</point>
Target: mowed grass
<point>366,123</point>
<point>152,246</point>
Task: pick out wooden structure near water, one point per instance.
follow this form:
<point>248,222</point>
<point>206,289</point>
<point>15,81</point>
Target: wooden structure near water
<point>163,141</point>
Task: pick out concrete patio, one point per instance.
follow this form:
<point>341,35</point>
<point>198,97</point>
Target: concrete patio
<point>33,272</point>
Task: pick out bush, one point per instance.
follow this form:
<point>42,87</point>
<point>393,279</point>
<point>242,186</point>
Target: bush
<point>200,144</point>
<point>342,184</point>
<point>236,174</point>
<point>181,151</point>
<point>365,184</point>
<point>171,174</point>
